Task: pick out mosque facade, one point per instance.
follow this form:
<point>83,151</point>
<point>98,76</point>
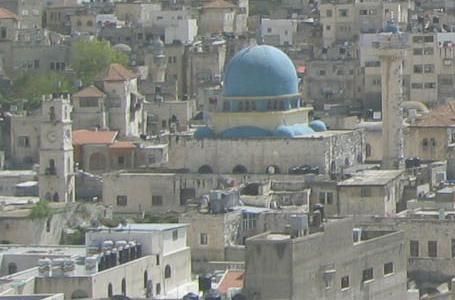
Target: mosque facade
<point>262,125</point>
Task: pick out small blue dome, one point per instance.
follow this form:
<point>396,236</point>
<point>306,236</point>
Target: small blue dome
<point>203,133</point>
<point>318,126</point>
<point>245,132</point>
<point>260,71</point>
<point>301,129</point>
<point>284,131</point>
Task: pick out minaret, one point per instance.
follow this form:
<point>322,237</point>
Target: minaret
<point>56,173</point>
<point>156,60</point>
<point>392,45</point>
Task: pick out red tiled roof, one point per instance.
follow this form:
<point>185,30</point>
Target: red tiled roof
<point>85,137</point>
<point>301,69</point>
<point>219,4</point>
<point>442,116</point>
<point>7,14</point>
<point>122,145</point>
<point>232,279</point>
<point>91,91</point>
<point>117,72</point>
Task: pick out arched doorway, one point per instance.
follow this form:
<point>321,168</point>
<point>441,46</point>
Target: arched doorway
<point>205,169</point>
<point>109,290</point>
<point>239,169</point>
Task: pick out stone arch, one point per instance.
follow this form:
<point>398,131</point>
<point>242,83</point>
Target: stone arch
<point>272,169</point>
<point>205,169</point>
<point>97,161</point>
<point>79,294</point>
<point>167,271</point>
<point>239,169</point>
<point>12,268</point>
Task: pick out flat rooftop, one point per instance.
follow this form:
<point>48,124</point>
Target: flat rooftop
<point>55,250</point>
<point>371,177</point>
<point>141,227</point>
<point>14,173</point>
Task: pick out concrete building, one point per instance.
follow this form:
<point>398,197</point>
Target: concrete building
<point>217,17</point>
<point>278,32</point>
<point>137,260</point>
<point>282,266</point>
<point>29,13</point>
<point>370,193</point>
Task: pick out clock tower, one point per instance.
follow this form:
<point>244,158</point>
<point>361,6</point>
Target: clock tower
<point>56,173</point>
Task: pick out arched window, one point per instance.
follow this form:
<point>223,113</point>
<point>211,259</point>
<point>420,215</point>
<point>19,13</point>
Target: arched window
<point>368,150</point>
<point>51,166</point>
<point>146,278</point>
<point>346,162</point>
<point>123,287</point>
<point>55,198</point>
<point>51,113</point>
<point>48,196</point>
<point>272,170</point>
<point>425,142</point>
<point>167,271</point>
<point>109,290</point>
<point>205,169</point>
<point>239,169</point>
<point>12,268</point>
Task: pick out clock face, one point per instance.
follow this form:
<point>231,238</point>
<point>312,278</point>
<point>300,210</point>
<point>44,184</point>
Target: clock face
<point>51,136</point>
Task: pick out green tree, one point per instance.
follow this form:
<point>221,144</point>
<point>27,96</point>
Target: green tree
<point>31,87</point>
<point>41,210</point>
<point>92,57</point>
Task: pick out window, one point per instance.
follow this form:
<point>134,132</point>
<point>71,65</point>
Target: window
<point>417,51</point>
<point>158,288</point>
<point>343,12</point>
<point>418,69</point>
<point>23,141</point>
<point>269,30</point>
<point>327,27</point>
<point>432,248</point>
<point>365,192</point>
<point>452,244</point>
<point>123,287</point>
<point>157,258</point>
<point>388,268</point>
<point>429,85</point>
<point>367,274</point>
<point>121,160</point>
<point>428,68</point>
<point>428,39</point>
<point>326,197</point>
<point>328,13</point>
<point>417,39</point>
<point>175,235</point>
<point>368,150</point>
<point>428,51</point>
<point>109,290</point>
<point>363,12</point>
<point>122,200</point>
<point>321,72</point>
<point>373,63</point>
<point>167,271</point>
<point>203,239</point>
<point>157,200</point>
<point>146,278</point>
<point>416,85</point>
<point>414,248</point>
<point>36,64</point>
<point>344,282</point>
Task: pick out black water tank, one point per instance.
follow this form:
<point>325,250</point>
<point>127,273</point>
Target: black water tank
<point>205,282</point>
<point>212,295</point>
<point>138,250</point>
<point>191,296</point>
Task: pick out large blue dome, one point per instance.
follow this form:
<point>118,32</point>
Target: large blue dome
<point>260,71</point>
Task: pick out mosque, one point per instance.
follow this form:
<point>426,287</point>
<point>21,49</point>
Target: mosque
<point>262,125</point>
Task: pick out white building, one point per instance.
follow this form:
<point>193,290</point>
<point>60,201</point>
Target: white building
<point>278,32</point>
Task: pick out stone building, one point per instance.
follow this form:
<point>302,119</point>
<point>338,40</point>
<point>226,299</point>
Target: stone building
<point>370,193</point>
<point>56,173</point>
<point>283,266</point>
<point>29,13</point>
<point>136,260</point>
